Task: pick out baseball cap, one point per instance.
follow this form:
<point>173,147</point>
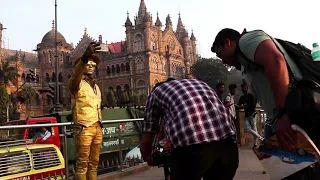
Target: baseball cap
<point>222,35</point>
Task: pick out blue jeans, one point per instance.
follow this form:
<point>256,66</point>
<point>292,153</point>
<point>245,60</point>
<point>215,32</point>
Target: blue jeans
<point>251,127</point>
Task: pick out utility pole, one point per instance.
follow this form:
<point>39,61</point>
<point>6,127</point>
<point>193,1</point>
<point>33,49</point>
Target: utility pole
<point>57,105</point>
<point>1,42</point>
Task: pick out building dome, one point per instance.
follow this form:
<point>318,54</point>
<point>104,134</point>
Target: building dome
<point>49,38</point>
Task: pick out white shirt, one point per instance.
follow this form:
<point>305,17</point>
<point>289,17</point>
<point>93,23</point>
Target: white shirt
<point>44,136</point>
<point>232,108</point>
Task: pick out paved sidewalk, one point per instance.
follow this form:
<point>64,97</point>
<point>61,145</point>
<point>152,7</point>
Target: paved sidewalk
<point>249,169</point>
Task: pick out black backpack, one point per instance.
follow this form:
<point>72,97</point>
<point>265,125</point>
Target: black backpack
<point>303,100</point>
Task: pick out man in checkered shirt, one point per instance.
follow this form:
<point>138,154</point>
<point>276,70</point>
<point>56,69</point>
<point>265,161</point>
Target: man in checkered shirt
<point>198,126</point>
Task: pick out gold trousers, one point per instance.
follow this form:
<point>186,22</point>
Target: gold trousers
<point>88,143</point>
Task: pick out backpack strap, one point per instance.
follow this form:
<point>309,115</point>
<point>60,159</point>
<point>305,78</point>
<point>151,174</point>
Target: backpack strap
<point>249,63</point>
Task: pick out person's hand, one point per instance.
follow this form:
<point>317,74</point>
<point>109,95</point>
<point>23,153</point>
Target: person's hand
<point>91,49</point>
<point>285,133</point>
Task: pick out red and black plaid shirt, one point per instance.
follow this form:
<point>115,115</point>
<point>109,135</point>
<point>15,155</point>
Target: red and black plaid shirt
<point>192,110</point>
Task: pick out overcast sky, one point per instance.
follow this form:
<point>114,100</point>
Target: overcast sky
<point>27,21</point>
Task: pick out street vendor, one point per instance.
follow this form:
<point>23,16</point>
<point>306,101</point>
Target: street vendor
<point>86,114</point>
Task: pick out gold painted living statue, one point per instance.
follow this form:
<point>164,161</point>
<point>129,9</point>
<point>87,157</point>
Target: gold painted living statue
<point>86,114</point>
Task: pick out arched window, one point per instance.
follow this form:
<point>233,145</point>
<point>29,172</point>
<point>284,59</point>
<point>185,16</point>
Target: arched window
<point>122,67</point>
<point>47,78</point>
<point>155,63</point>
<point>153,43</point>
<point>37,78</point>
<point>110,88</point>
<point>44,58</point>
<point>113,69</point>
<point>60,77</point>
<point>108,70</point>
<point>127,66</point>
<point>126,88</point>
<point>140,83</point>
<point>53,78</point>
<point>139,64</point>
<point>118,68</point>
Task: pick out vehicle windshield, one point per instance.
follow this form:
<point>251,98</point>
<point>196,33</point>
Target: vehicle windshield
<point>12,134</point>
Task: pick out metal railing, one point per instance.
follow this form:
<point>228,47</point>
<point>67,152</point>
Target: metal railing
<point>64,136</point>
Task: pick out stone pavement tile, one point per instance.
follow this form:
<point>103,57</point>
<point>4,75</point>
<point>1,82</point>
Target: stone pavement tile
<point>249,169</point>
<point>153,174</point>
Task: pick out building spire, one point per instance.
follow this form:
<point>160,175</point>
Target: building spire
<point>180,26</point>
<point>85,31</point>
<point>192,38</point>
<point>142,9</point>
<point>168,21</point>
<point>128,21</point>
<point>158,22</point>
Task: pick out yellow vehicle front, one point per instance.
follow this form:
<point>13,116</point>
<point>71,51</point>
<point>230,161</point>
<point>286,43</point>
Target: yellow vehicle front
<point>31,162</point>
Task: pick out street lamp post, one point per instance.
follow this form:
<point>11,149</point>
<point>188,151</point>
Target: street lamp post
<point>57,107</point>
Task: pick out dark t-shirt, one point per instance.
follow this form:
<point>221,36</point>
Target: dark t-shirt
<point>249,101</point>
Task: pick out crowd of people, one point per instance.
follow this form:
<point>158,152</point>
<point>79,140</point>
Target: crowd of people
<point>194,122</point>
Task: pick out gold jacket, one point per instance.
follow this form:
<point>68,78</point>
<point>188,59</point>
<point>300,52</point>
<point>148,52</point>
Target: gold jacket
<point>85,100</point>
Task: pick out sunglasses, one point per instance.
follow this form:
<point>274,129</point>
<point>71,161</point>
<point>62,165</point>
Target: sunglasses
<point>91,63</point>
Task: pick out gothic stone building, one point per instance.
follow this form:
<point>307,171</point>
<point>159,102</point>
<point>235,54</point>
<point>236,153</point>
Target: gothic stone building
<point>149,54</point>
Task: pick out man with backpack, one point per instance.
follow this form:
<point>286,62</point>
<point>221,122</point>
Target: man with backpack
<point>274,76</point>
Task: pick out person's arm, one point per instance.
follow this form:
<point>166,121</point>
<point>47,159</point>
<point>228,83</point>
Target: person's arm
<point>227,102</point>
<point>76,77</point>
<point>46,136</point>
<point>241,102</point>
<point>150,127</point>
<point>276,70</point>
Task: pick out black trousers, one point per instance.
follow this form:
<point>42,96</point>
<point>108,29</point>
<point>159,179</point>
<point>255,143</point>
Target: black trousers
<point>214,160</point>
<point>166,165</point>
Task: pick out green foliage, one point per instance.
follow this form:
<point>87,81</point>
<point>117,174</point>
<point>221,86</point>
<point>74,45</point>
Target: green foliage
<point>143,99</point>
<point>28,93</point>
<point>124,97</point>
<point>111,99</point>
<point>8,73</point>
<point>4,97</point>
<point>212,71</point>
<point>135,98</point>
